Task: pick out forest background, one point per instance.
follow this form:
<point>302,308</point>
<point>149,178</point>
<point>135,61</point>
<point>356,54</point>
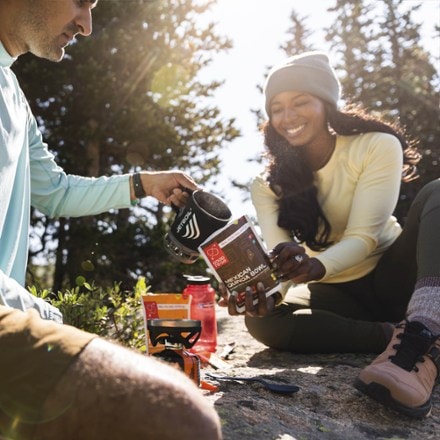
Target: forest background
<point>133,96</point>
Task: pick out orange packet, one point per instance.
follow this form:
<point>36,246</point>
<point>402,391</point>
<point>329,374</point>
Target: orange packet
<point>163,306</point>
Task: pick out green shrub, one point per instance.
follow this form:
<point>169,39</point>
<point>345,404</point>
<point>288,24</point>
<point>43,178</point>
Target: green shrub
<point>108,312</point>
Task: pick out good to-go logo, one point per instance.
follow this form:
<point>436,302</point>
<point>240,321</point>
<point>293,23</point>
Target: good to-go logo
<point>190,227</point>
<point>216,255</point>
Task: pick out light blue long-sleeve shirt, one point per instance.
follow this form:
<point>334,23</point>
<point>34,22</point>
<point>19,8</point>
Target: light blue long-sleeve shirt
<point>30,176</point>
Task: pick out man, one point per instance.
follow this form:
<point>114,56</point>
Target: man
<point>57,381</point>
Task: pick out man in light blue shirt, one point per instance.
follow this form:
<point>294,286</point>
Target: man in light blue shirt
<point>30,176</point>
<point>57,381</point>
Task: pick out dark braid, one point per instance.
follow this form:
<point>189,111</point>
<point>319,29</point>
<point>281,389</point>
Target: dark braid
<point>292,179</point>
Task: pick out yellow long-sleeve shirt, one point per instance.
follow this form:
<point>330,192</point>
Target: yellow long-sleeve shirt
<point>358,191</point>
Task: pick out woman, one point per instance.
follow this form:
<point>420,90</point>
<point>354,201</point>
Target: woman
<point>325,209</point>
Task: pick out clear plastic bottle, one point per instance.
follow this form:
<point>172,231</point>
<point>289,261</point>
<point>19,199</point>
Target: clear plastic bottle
<point>203,309</point>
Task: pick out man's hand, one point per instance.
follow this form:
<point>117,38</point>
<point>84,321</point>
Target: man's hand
<point>168,186</point>
<point>264,306</point>
<point>291,262</point>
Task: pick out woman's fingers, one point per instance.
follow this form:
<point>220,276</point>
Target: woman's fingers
<point>249,302</point>
<point>288,260</point>
<point>223,291</point>
<point>227,300</point>
<point>265,304</point>
<point>262,307</point>
<point>232,304</point>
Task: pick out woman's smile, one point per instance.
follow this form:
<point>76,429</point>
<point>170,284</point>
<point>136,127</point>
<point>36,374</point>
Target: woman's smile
<point>292,132</point>
<point>298,117</point>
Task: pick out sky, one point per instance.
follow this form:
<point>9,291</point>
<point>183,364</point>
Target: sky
<point>257,28</point>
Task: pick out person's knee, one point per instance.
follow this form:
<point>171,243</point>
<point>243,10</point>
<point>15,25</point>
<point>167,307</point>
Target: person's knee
<point>111,392</point>
<point>274,330</point>
<point>431,189</point>
<point>34,355</point>
<point>435,184</point>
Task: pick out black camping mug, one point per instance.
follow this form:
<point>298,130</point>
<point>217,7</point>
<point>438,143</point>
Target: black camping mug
<point>203,214</point>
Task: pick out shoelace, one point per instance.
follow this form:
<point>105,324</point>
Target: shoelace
<point>415,342</point>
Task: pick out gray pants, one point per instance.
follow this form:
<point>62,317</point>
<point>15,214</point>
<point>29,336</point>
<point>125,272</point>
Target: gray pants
<point>347,317</point>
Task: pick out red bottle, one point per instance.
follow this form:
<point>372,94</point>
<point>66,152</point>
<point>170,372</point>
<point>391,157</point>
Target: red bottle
<point>203,309</point>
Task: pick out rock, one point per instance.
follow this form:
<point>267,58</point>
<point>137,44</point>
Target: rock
<point>327,406</point>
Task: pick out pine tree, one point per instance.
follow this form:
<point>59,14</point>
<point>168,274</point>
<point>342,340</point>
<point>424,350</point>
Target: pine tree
<point>389,72</point>
<point>300,35</point>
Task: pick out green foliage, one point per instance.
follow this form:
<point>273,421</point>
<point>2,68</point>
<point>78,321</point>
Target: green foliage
<point>108,312</point>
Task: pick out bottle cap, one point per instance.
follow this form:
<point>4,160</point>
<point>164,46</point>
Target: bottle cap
<point>197,279</point>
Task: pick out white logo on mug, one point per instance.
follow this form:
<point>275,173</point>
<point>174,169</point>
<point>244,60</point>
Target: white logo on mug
<point>192,230</point>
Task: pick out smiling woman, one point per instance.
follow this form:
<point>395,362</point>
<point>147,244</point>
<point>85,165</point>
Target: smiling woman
<point>328,195</point>
<point>300,119</point>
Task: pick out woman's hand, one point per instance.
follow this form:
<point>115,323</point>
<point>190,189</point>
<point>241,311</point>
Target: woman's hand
<point>290,262</point>
<point>264,306</point>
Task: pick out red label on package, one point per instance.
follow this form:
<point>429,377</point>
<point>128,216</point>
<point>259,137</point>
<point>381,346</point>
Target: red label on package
<point>216,255</point>
<point>151,310</point>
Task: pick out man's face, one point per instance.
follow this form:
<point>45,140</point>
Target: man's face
<point>47,26</point>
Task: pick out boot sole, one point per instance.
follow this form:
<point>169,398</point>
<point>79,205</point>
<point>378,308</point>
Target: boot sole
<point>382,395</point>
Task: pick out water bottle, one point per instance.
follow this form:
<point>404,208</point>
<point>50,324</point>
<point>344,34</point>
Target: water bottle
<point>203,309</point>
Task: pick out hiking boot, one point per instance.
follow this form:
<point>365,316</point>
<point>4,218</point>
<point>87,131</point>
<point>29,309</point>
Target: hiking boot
<point>404,375</point>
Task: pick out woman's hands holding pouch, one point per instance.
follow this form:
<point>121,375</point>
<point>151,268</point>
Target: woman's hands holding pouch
<point>290,262</point>
<point>263,307</point>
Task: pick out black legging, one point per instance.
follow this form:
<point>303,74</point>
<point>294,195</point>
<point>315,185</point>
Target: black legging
<point>347,317</point>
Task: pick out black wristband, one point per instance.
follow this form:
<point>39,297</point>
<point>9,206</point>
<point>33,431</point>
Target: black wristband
<point>139,191</point>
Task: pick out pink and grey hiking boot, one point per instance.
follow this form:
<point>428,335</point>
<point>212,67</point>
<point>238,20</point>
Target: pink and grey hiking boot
<point>404,375</point>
